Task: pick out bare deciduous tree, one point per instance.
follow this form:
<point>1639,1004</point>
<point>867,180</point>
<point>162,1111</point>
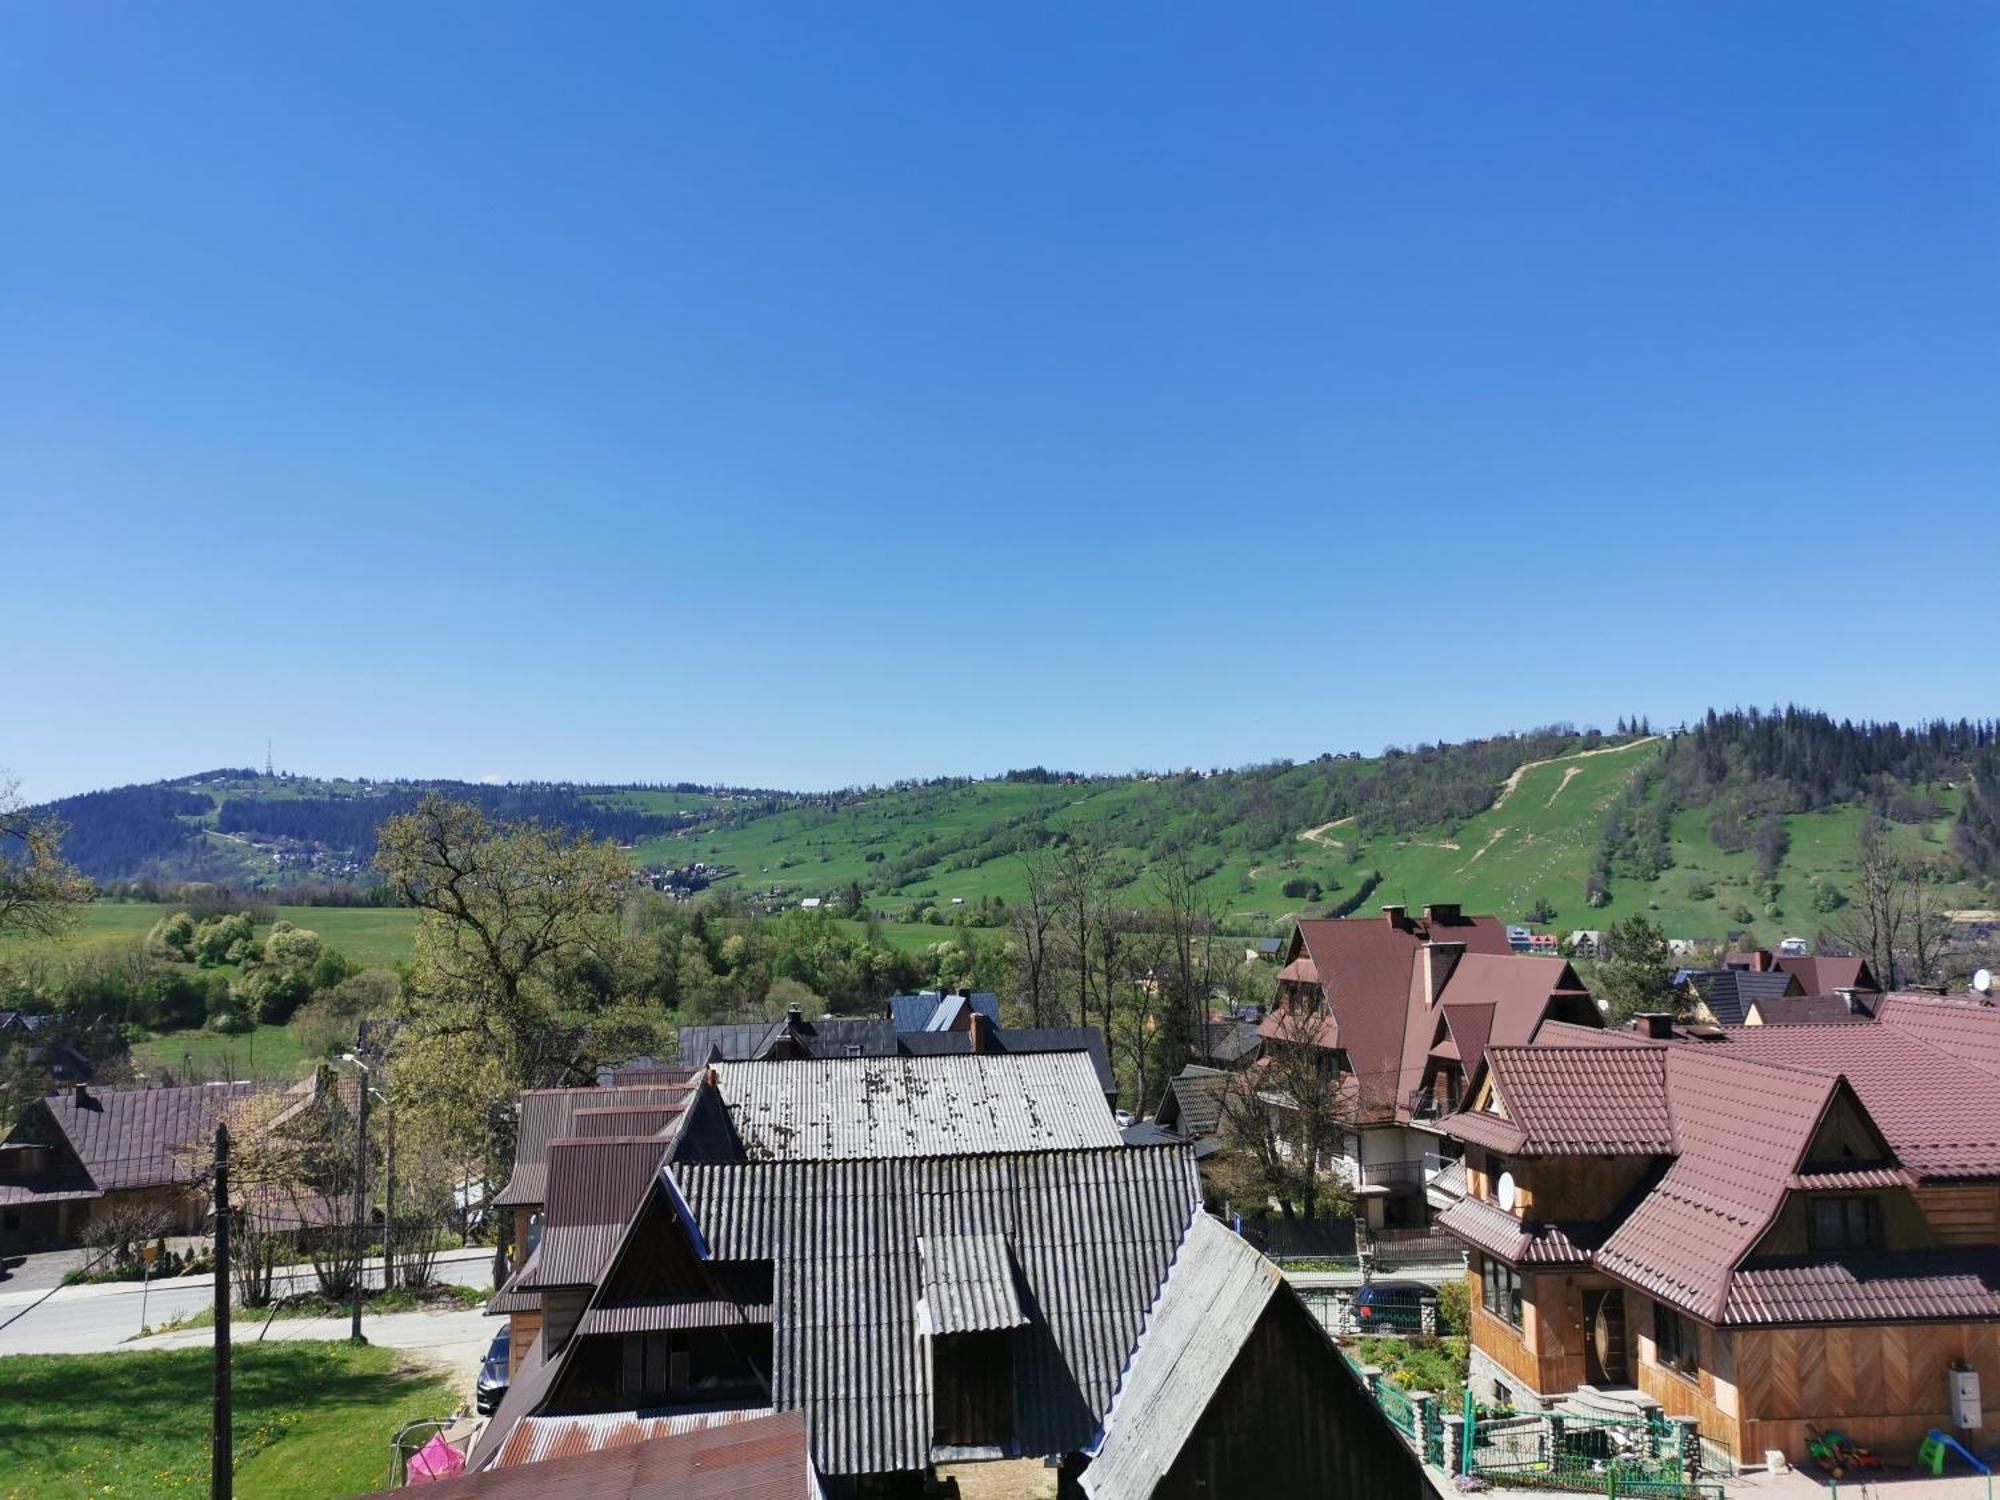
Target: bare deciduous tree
<point>1284,1119</point>
<point>1897,920</point>
<point>39,893</point>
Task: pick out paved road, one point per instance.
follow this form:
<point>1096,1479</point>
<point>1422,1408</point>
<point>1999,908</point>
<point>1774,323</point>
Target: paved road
<point>91,1319</point>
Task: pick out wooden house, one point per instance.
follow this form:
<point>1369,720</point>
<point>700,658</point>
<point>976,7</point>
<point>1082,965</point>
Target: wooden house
<point>1764,1230</point>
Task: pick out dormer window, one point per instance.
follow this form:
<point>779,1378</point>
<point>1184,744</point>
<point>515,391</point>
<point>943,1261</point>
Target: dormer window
<point>1840,1223</point>
<point>967,1317</point>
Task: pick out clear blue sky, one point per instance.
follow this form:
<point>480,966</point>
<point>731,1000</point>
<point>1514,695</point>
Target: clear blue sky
<point>813,393</point>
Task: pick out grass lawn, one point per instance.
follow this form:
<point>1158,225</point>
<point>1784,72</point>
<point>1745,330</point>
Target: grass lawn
<point>313,1420</point>
<point>265,1052</point>
<point>374,937</point>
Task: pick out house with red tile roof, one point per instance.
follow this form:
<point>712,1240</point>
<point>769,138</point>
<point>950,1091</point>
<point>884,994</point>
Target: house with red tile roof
<point>1759,1229</point>
<point>1404,1008</point>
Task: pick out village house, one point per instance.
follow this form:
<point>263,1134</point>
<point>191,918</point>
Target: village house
<point>1760,1229</point>
<point>88,1152</point>
<point>935,1259</point>
<point>1400,1010</point>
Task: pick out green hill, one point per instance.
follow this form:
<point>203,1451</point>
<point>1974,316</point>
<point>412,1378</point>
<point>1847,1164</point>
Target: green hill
<point>1741,812</point>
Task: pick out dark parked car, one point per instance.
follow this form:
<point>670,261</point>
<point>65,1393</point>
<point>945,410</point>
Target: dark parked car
<point>1391,1306</point>
<point>492,1375</point>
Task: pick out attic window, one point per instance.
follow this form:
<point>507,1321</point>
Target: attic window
<point>1845,1224</point>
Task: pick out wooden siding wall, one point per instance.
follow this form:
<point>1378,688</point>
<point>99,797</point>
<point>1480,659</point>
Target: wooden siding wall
<point>1903,1225</point>
<point>521,1330</point>
<point>1884,1384</point>
<point>1963,1215</point>
<point>1579,1187</point>
<point>1552,1313</point>
<point>1290,1421</point>
<point>1711,1398</point>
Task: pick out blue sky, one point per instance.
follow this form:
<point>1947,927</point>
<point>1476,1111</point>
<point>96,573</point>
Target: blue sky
<point>808,394</point>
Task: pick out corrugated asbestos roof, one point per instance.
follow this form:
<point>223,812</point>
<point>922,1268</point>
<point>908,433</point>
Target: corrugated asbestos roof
<point>968,1284</point>
<point>536,1440</point>
<point>1214,1295</point>
<point>1091,1234</point>
<point>761,1458</point>
<point>825,1109</point>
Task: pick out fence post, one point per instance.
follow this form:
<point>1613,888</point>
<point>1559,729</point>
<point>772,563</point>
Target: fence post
<point>1454,1443</point>
<point>1423,1420</point>
<point>1427,1316</point>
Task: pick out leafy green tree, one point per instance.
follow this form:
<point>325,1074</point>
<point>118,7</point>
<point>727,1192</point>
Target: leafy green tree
<point>39,893</point>
<point>1637,975</point>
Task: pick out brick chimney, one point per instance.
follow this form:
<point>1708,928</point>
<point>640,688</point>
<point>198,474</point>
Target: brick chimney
<point>1441,911</point>
<point>1439,960</point>
<point>1656,1025</point>
<point>982,1033</point>
<point>1761,961</point>
<point>1399,916</point>
<point>794,1018</point>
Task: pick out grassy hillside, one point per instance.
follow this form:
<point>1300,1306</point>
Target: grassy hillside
<point>374,937</point>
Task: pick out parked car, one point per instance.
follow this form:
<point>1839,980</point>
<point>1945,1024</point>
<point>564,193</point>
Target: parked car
<point>1391,1306</point>
<point>492,1386</point>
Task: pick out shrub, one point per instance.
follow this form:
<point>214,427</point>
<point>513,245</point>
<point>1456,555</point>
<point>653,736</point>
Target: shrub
<point>1454,1307</point>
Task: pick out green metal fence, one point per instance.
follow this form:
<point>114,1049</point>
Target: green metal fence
<point>1397,1407</point>
<point>1640,1457</point>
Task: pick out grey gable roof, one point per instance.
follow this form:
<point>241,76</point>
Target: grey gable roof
<point>1217,1290</point>
<point>1019,1040</point>
<point>1090,1233</point>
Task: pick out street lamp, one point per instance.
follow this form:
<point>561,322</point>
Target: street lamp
<point>360,1190</point>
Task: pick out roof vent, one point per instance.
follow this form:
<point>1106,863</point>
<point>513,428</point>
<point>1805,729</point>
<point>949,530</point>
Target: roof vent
<point>1656,1024</point>
<point>81,1094</point>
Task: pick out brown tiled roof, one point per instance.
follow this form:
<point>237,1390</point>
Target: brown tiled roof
<point>1488,1227</point>
<point>550,1114</point>
<point>1742,1128</point>
<point>1500,999</point>
<point>1585,1101</point>
<point>1911,1287</point>
<point>662,1315</point>
<point>1937,1107</point>
<point>137,1138</point>
<point>1966,1029</point>
<point>1822,976</point>
<point>762,1458</point>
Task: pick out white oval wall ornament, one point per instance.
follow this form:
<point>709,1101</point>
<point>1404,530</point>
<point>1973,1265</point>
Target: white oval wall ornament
<point>1504,1189</point>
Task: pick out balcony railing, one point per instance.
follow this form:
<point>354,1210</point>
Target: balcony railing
<point>1393,1173</point>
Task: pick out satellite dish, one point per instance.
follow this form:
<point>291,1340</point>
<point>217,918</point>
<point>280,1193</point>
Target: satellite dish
<point>1505,1189</point>
<point>1983,981</point>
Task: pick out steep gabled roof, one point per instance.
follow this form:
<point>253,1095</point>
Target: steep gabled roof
<point>1090,1233</point>
<point>550,1114</point>
<point>139,1138</point>
<point>1742,1128</point>
<point>1193,1101</point>
<point>1822,976</point>
<point>1728,992</point>
<point>595,1186</point>
<point>1207,1309</point>
<point>1564,1100</point>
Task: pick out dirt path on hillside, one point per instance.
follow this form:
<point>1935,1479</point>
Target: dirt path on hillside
<point>1491,839</point>
<point>1513,782</point>
<point>1318,835</point>
<point>1570,773</point>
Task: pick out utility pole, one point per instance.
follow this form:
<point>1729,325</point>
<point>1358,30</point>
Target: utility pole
<point>389,1203</point>
<point>360,1201</point>
<point>221,1476</point>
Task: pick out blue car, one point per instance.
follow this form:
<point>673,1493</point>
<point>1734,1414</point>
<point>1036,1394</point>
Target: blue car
<point>492,1387</point>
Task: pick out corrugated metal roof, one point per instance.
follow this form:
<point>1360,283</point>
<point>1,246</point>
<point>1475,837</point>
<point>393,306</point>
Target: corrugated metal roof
<point>1206,1311</point>
<point>968,1284</point>
<point>536,1440</point>
<point>1091,1234</point>
<point>660,1316</point>
<point>843,1108</point>
<point>550,1114</point>
<point>758,1458</point>
<point>595,1187</point>
<point>137,1138</point>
